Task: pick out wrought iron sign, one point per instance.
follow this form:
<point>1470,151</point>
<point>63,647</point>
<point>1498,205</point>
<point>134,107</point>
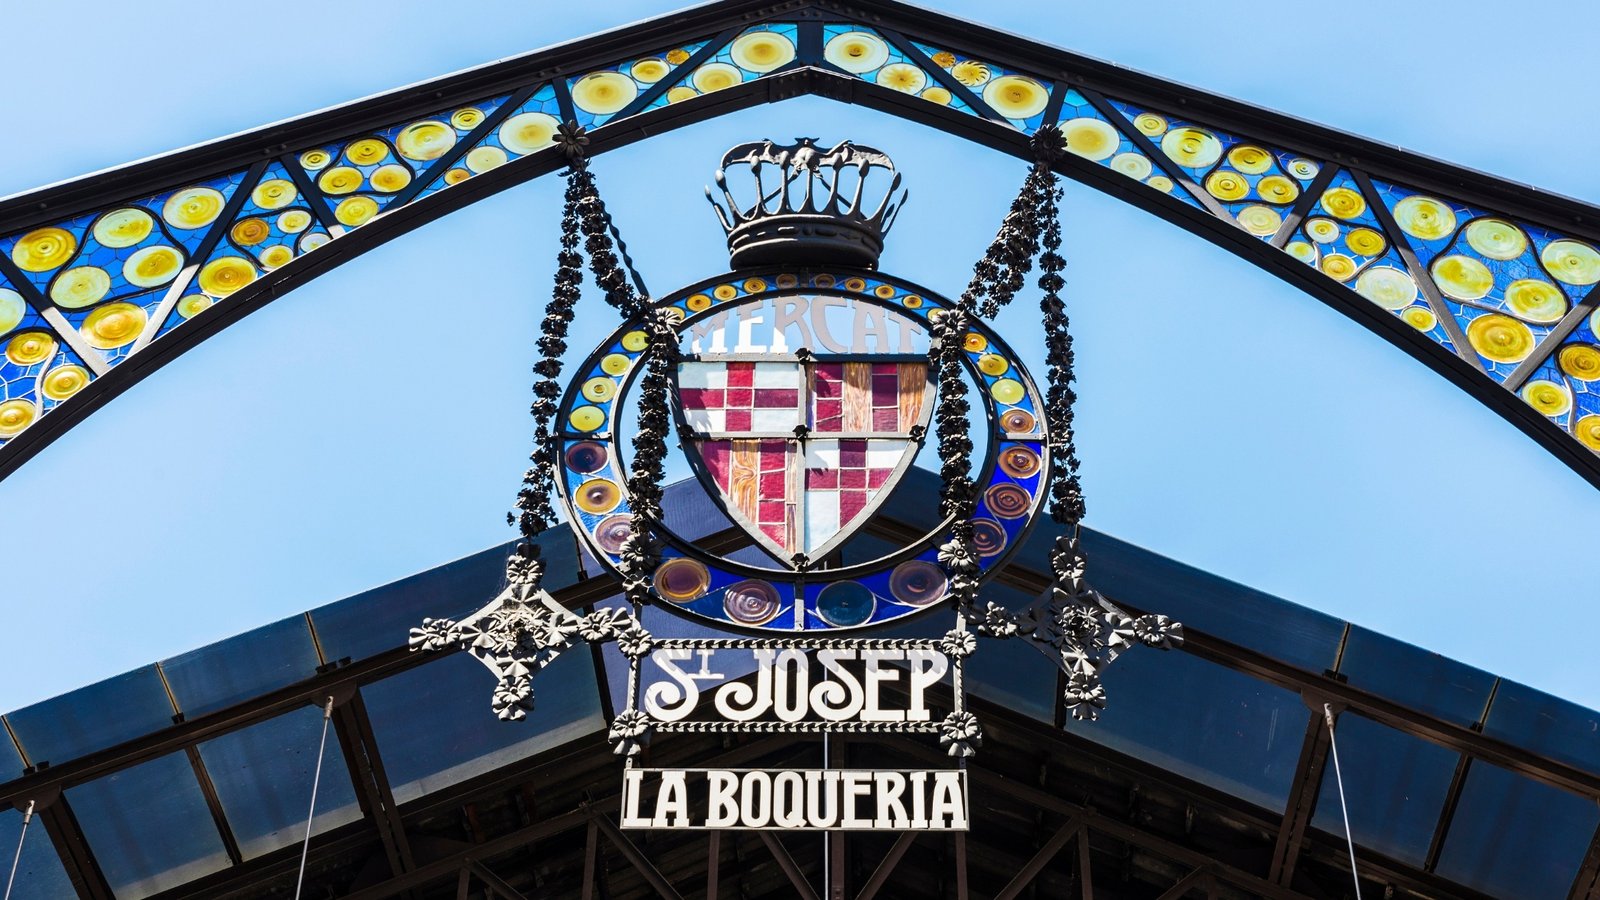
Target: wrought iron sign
<point>801,386</point>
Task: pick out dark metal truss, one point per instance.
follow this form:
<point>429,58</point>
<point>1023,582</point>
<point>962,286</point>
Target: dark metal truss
<point>900,24</point>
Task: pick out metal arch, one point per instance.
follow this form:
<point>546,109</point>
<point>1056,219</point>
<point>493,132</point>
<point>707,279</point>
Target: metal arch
<point>900,24</point>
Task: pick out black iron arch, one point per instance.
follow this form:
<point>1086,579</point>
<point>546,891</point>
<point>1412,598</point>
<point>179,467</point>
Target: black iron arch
<point>106,278</point>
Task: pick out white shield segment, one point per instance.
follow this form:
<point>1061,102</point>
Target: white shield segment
<point>843,479</point>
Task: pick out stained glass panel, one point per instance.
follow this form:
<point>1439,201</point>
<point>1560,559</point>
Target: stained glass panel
<point>1020,99</point>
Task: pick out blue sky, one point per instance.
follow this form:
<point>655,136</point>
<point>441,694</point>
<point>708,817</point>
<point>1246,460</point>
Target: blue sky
<point>373,423</point>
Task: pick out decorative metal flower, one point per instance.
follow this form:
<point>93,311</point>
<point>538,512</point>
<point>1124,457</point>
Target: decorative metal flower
<point>626,731</point>
<point>634,641</point>
<point>960,734</point>
<point>958,644</point>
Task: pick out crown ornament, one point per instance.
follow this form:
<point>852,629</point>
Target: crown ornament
<point>808,204</point>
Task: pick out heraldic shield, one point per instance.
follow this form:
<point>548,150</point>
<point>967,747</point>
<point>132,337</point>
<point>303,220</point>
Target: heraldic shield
<point>801,449</point>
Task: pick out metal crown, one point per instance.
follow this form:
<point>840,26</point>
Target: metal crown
<point>817,213</point>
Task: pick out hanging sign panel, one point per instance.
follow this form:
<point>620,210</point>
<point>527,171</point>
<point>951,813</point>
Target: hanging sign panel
<point>805,799</point>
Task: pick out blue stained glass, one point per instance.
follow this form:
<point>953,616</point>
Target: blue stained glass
<point>37,369</point>
<point>1546,725</point>
<point>263,778</point>
<point>1415,677</point>
<point>378,620</point>
<point>1202,721</point>
<point>241,667</point>
<point>148,827</point>
<point>1512,837</point>
<point>1020,98</point>
<point>1094,137</point>
<point>600,95</point>
<point>40,875</point>
<point>1566,386</point>
<point>434,727</point>
<point>529,128</point>
<point>74,724</point>
<point>1395,785</point>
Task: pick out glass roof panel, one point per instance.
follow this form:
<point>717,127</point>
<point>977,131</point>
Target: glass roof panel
<point>1546,725</point>
<point>1415,677</point>
<point>94,717</point>
<point>1206,603</point>
<point>149,827</point>
<point>11,761</point>
<point>1204,722</point>
<point>263,778</point>
<point>1512,837</point>
<point>241,667</point>
<point>40,875</point>
<point>378,620</point>
<point>434,727</point>
<point>1394,783</point>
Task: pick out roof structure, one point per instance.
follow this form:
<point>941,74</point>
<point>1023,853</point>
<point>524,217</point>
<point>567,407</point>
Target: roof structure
<point>1209,773</point>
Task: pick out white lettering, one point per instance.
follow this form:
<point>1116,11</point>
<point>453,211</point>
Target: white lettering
<point>672,804</point>
<point>875,675</point>
<point>723,810</point>
<point>789,800</point>
<point>790,313</point>
<point>927,668</point>
<point>755,806</point>
<point>632,782</point>
<point>670,701</point>
<point>949,807</point>
<point>819,322</point>
<point>841,699</point>
<point>790,686</point>
<point>891,812</point>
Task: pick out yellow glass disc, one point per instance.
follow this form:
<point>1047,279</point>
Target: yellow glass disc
<point>604,93</point>
<point>1343,203</point>
<point>1094,139</point>
<point>1547,397</point>
<point>355,211</point>
<point>993,364</point>
<point>1419,317</point>
<point>1227,186</point>
<point>1462,277</point>
<point>1496,238</point>
<point>1581,361</point>
<point>1016,96</point>
<point>754,285</point>
<point>366,151</point>
<point>456,176</point>
<point>12,309</point>
<point>1303,169</point>
<point>466,118</point>
<point>274,193</point>
<point>192,208</point>
<point>64,381</point>
<point>1323,231</point>
<point>1538,300</point>
<point>971,72</point>
<point>1261,221</point>
<point>635,341</point>
<point>1007,391</point>
<point>1277,189</point>
<point>724,292</point>
<point>650,71</point>
<point>681,93</point>
<point>678,56</point>
<point>152,266</point>
<point>599,389</point>
<point>587,418</point>
<point>113,325</point>
<point>249,232</point>
<point>1131,164</point>
<point>1250,159</point>
<point>698,302</point>
<point>294,221</point>
<point>1587,431</point>
<point>715,77</point>
<point>761,51</point>
<point>1388,287</point>
<point>855,284</point>
<point>975,343</point>
<point>1365,242</point>
<point>911,301</point>
<point>391,177</point>
<point>340,180</point>
<point>123,227</point>
<point>1571,262</point>
<point>787,280</point>
<point>885,291</point>
<point>526,133</point>
<point>312,241</point>
<point>315,160</point>
<point>822,281</point>
<point>857,52</point>
<point>903,77</point>
<point>944,59</point>
<point>615,363</point>
<point>1338,266</point>
<point>1302,251</point>
<point>597,495</point>
<point>482,159</point>
<point>221,277</point>
<point>80,286</point>
<point>273,257</point>
<point>189,306</point>
<point>16,415</point>
<point>937,95</point>
<point>1191,147</point>
<point>1150,124</point>
<point>44,249</point>
<point>1500,338</point>
<point>1161,183</point>
<point>1424,217</point>
<point>30,348</point>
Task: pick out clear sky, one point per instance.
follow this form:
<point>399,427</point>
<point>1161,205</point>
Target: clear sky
<point>373,423</point>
